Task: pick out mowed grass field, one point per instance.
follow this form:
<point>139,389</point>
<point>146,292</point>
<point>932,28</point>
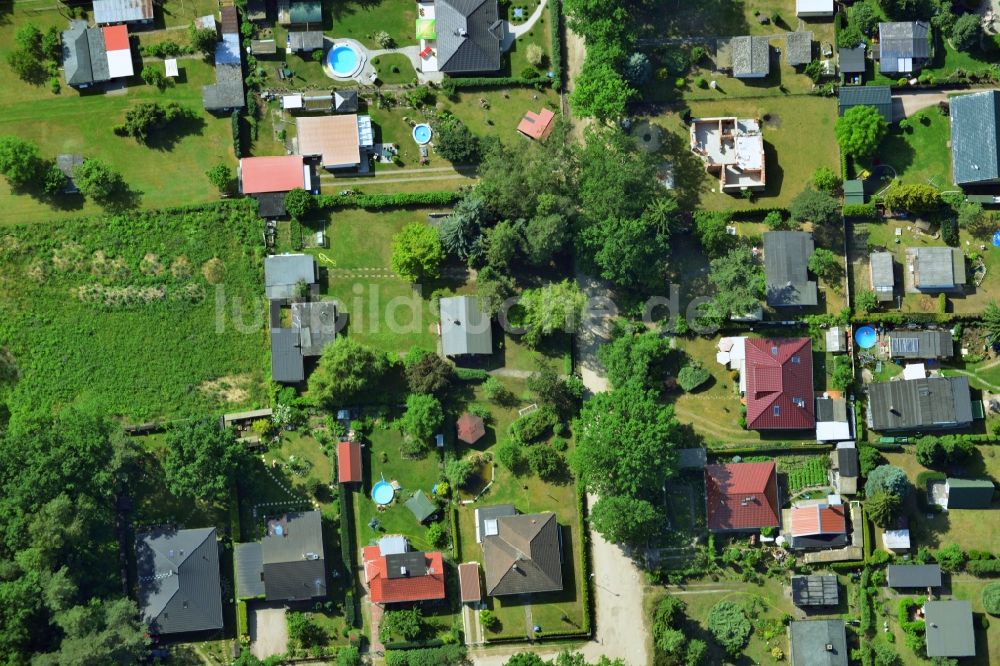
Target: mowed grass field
<point>71,122</point>
<point>798,139</point>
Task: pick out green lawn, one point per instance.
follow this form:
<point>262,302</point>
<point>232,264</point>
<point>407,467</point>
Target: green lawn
<point>919,153</point>
<point>798,139</point>
<point>361,20</point>
<point>394,68</point>
<point>72,122</point>
<point>145,356</point>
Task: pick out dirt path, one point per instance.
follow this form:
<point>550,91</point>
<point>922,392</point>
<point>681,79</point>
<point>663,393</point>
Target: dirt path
<point>576,51</point>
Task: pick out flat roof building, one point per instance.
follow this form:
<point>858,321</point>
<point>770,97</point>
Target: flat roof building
<point>949,628</point>
<point>936,269</point>
<point>882,273</point>
<point>123,11</point>
<point>732,149</point>
<point>786,268</point>
<point>920,404</point>
<point>340,141</point>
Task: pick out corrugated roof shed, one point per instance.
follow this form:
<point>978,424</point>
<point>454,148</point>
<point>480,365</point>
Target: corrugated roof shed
<point>882,275</point>
<point>975,149</point>
<point>901,43</point>
<point>815,590</point>
<point>469,33</point>
<point>465,327</point>
<point>786,261</point>
<point>915,404</point>
<point>798,48</point>
<point>230,20</point>
<point>921,344</point>
<point>949,629</point>
<point>263,47</point>
<point>317,325</point>
<point>854,192</point>
<point>937,268</point>
<point>305,40</point>
<point>847,460</point>
<point>123,11</point>
<point>878,96</point>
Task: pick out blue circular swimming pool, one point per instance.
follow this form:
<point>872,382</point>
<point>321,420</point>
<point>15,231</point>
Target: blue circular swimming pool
<point>343,60</point>
<point>382,493</point>
<point>866,337</point>
<point>422,133</point>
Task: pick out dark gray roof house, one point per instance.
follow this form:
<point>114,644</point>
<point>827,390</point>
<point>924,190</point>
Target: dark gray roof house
<point>936,269</point>
<point>469,33</point>
<point>465,327</point>
<point>85,56</point>
<point>305,40</point>
<point>904,576</point>
<point>290,564</point>
<point>920,404</point>
<point>970,493</point>
<point>287,364</point>
<point>67,164</point>
<point>921,344</point>
<point>975,148</point>
<point>751,57</point>
<point>345,101</point>
<point>844,468</point>
<point>486,519</point>
<point>305,11</point>
<point>852,61</point>
<point>949,629</point>
<point>903,46</point>
<point>786,261</point>
<point>882,275</point>
<point>284,272</point>
<point>316,323</point>
<point>815,591</point>
<point>226,93</point>
<point>878,96</point>
<point>524,556</point>
<point>178,574</point>
<point>798,48</point>
<point>818,643</point>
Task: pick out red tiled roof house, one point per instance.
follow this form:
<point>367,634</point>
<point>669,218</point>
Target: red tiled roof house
<point>349,462</point>
<point>779,384</point>
<point>263,175</point>
<point>742,497</point>
<point>403,577</point>
<point>537,126</point>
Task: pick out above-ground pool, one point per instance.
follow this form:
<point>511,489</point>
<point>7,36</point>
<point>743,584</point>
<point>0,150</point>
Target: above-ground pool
<point>866,337</point>
<point>343,60</point>
<point>422,134</point>
<point>382,493</point>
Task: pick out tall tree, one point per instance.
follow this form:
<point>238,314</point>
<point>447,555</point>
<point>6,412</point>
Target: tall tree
<point>816,207</point>
<point>427,372</point>
<point>601,92</point>
<point>556,307</point>
<point>883,508</point>
<point>739,282</point>
<point>633,414</point>
<point>636,356</point>
<point>347,371</point>
<point>20,162</point>
<point>202,460</point>
<point>102,632</point>
<point>99,181</point>
<point>417,253</point>
<point>462,231</point>
<point>624,519</point>
<point>890,479</point>
<point>423,416</point>
<point>860,130</point>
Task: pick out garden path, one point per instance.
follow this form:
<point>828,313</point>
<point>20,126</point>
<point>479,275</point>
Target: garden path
<point>512,32</point>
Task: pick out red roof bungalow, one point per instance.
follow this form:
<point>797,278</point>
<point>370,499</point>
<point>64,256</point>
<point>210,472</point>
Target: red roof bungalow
<point>263,175</point>
<point>403,577</point>
<point>537,126</point>
<point>819,526</point>
<point>779,384</point>
<point>741,497</point>
<point>349,462</point>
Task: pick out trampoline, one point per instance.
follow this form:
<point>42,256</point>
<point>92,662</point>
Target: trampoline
<point>383,493</point>
<point>866,337</point>
<point>422,134</point>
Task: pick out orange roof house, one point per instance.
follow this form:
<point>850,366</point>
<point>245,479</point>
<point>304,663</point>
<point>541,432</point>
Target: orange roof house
<point>334,139</point>
<point>260,175</point>
<point>537,126</point>
<point>818,526</point>
<point>468,579</point>
<point>349,462</point>
<point>741,496</point>
<point>470,428</point>
<point>403,577</point>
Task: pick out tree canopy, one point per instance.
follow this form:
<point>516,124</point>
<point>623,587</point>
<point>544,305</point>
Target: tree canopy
<point>202,460</point>
<point>883,508</point>
<point>816,207</point>
<point>20,162</point>
<point>860,130</point>
<point>739,282</point>
<point>632,355</point>
<point>624,519</point>
<point>347,371</point>
<point>888,478</point>
<point>423,417</point>
<point>556,307</point>
<point>417,253</point>
<point>426,372</point>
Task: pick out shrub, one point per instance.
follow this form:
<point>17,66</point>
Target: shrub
<point>825,180</point>
<point>692,376</point>
<point>991,599</point>
<point>534,55</point>
<point>545,462</point>
<point>866,211</point>
<point>509,454</point>
<point>983,568</point>
<point>730,626</point>
<point>436,535</point>
<point>534,425</point>
<point>489,620</point>
<point>951,558</point>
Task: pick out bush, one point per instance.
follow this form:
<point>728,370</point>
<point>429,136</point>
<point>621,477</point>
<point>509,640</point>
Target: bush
<point>991,599</point>
<point>951,558</point>
<point>509,454</point>
<point>730,626</point>
<point>866,211</point>
<point>825,180</point>
<point>534,425</point>
<point>545,462</point>
<point>455,142</point>
<point>692,376</point>
<point>983,568</point>
<point>489,620</point>
<point>534,55</point>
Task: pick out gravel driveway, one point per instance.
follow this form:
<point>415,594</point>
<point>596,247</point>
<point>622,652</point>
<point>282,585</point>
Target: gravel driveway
<point>268,632</point>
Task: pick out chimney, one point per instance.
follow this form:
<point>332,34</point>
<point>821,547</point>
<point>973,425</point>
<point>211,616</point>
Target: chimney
<point>829,647</point>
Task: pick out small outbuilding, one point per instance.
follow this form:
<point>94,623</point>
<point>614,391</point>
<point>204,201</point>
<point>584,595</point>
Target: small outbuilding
<point>810,591</point>
<point>798,48</point>
<point>466,329</point>
<point>949,628</point>
<point>813,8</point>
<point>969,493</point>
<point>348,462</point>
<point>422,508</point>
<point>852,61</point>
<point>469,583</point>
<point>818,643</point>
<point>882,273</point>
<point>537,126</point>
<point>470,428</point>
<point>913,576</point>
<point>879,97</point>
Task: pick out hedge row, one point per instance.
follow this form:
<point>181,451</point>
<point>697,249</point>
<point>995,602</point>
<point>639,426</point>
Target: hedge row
<point>983,568</point>
<point>242,626</point>
<point>556,14</point>
<point>587,591</point>
<point>847,567</point>
<point>900,318</point>
<point>454,533</point>
<point>346,521</point>
<point>383,201</point>
<point>350,611</point>
<point>764,448</point>
<point>869,534</point>
<point>447,655</point>
<point>464,82</point>
<point>886,446</point>
<point>866,211</point>
<point>756,214</point>
<point>414,645</point>
<point>471,374</point>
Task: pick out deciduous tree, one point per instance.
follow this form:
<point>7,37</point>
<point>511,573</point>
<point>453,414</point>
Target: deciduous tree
<point>915,197</point>
<point>299,203</point>
<point>347,371</point>
<point>860,130</point>
<point>20,162</point>
<point>423,417</point>
<point>202,460</point>
<point>816,207</point>
<point>556,307</point>
<point>417,252</point>
<point>636,356</point>
<point>99,181</point>
<point>221,175</point>
<point>600,92</point>
<point>739,282</point>
<point>626,520</point>
<point>427,372</point>
<point>967,32</point>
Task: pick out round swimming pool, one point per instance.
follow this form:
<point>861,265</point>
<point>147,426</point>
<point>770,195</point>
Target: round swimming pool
<point>866,337</point>
<point>343,60</point>
<point>422,134</point>
<point>382,493</point>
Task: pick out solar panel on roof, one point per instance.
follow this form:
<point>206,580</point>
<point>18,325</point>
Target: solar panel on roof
<point>906,345</point>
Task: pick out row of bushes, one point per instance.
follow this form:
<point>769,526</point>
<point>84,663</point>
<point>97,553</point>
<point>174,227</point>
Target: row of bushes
<point>868,211</point>
<point>765,448</point>
<point>556,14</point>
<point>242,626</point>
<point>847,567</point>
<point>886,446</point>
<point>899,318</point>
<point>453,514</point>
<point>346,543</point>
<point>446,655</point>
<point>869,537</point>
<point>756,214</point>
<point>983,568</point>
<point>471,374</point>
<point>587,590</point>
<point>384,201</point>
<point>466,82</point>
